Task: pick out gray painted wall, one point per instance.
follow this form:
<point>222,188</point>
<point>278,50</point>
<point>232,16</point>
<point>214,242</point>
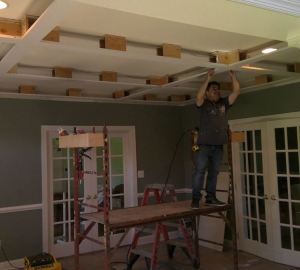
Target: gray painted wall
<point>157,131</point>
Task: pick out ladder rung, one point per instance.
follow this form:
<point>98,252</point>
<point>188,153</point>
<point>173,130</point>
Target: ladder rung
<point>177,243</point>
<point>161,186</point>
<point>145,230</point>
<point>171,224</point>
<point>142,252</point>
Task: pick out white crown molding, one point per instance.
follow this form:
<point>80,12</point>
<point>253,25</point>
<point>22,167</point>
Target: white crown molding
<point>291,7</point>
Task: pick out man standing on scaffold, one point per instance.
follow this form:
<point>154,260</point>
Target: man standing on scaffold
<point>213,134</point>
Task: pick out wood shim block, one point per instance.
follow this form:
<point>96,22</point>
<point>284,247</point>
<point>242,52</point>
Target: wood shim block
<point>113,42</point>
<point>27,89</point>
<point>150,97</point>
<point>177,98</point>
<point>81,140</point>
<point>29,20</point>
<point>294,67</point>
<point>62,72</point>
<point>237,136</point>
<point>120,94</point>
<point>157,80</point>
<point>228,57</point>
<point>109,76</point>
<point>263,79</point>
<point>53,35</point>
<point>169,50</point>
<point>10,27</point>
<point>74,92</point>
<point>14,69</point>
<point>225,86</point>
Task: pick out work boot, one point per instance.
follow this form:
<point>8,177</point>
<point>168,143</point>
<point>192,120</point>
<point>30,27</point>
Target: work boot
<point>195,204</point>
<point>214,201</point>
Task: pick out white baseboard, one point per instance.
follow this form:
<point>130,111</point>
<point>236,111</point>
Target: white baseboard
<point>7,266</point>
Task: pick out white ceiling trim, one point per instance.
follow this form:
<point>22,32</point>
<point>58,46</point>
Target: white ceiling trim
<point>49,97</point>
<point>291,7</point>
<point>46,22</point>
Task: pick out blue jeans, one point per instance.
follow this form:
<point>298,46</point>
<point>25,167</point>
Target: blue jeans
<point>208,157</point>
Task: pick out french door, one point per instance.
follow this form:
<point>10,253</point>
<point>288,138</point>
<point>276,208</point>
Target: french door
<point>285,175</point>
<point>58,208</point>
<point>252,191</point>
<point>267,179</point>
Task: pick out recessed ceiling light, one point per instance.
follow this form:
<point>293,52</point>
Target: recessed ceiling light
<point>268,50</point>
<point>3,5</point>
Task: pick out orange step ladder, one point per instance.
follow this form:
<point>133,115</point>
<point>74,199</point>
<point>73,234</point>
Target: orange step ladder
<point>160,193</point>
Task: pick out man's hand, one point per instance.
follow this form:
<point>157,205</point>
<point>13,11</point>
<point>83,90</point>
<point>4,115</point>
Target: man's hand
<point>232,74</point>
<point>210,73</point>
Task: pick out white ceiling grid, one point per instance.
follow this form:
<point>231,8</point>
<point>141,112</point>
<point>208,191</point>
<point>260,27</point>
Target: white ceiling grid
<point>82,23</point>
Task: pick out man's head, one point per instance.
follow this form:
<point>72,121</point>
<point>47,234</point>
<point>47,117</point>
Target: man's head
<point>213,91</point>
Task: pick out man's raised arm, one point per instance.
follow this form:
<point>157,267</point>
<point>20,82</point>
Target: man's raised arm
<point>201,92</point>
<point>235,88</point>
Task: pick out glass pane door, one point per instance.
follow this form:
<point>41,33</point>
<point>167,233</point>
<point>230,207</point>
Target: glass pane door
<point>116,161</point>
<point>62,200</point>
<point>288,186</point>
<point>252,187</point>
<point>60,180</point>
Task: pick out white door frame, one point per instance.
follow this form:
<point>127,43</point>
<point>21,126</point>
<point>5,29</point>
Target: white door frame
<point>130,171</point>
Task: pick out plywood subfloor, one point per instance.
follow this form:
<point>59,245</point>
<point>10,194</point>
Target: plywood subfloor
<point>210,260</point>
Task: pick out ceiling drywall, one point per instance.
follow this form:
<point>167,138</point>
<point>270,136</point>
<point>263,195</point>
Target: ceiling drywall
<point>200,28</point>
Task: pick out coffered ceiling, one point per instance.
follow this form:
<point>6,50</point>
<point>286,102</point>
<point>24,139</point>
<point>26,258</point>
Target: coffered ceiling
<point>201,29</point>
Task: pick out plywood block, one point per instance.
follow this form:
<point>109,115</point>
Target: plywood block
<point>29,20</point>
<point>120,94</point>
<point>169,50</point>
<point>27,89</point>
<point>237,136</point>
<point>10,27</point>
<point>109,76</point>
<point>157,80</point>
<point>14,69</point>
<point>113,42</point>
<point>177,98</point>
<point>150,97</point>
<point>74,92</point>
<point>294,67</point>
<point>81,140</point>
<point>53,35</point>
<point>62,72</point>
<point>225,86</point>
<point>263,79</point>
<point>228,57</point>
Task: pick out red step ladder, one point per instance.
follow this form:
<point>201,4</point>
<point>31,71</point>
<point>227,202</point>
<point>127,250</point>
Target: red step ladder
<point>161,193</point>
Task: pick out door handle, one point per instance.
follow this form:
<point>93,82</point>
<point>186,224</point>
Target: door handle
<point>95,196</point>
<point>266,197</point>
<point>273,197</point>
